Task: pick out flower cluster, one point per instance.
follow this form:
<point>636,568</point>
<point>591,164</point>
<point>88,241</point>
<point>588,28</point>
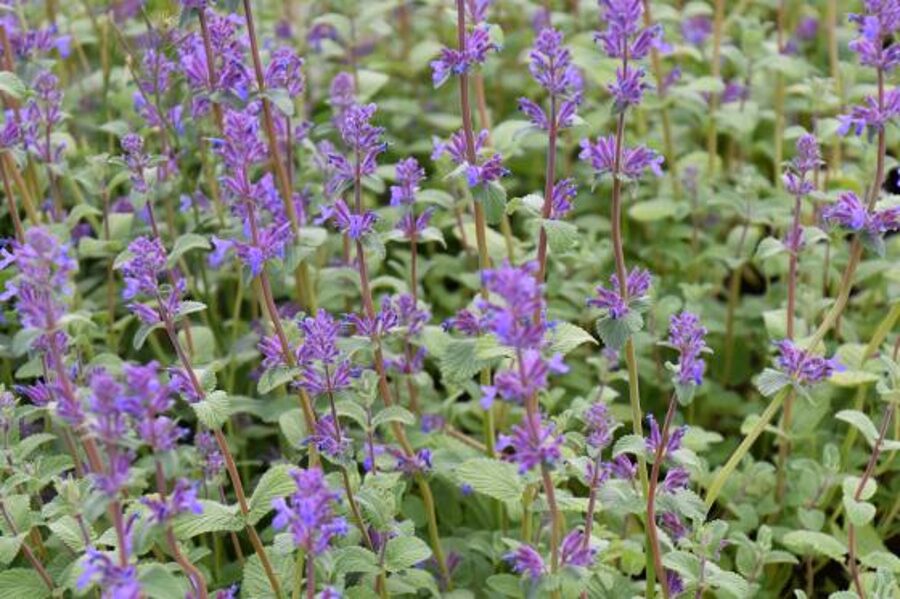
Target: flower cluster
<point>227,75</point>
<point>626,38</point>
<point>325,370</point>
<point>403,195</point>
<point>877,49</point>
<point>573,552</point>
<point>412,318</point>
<point>42,283</point>
<point>686,335</point>
<point>309,513</point>
<point>807,160</point>
<point>551,66</point>
<point>802,366</point>
<point>534,444</point>
<point>850,212</point>
<point>477,45</point>
<point>183,499</point>
<point>241,150</point>
<point>599,426</point>
<point>146,262</point>
<point>616,303</point>
<point>601,155</point>
<point>41,114</point>
<point>484,171</point>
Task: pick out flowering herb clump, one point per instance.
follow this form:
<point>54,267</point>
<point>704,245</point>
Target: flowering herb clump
<point>582,298</point>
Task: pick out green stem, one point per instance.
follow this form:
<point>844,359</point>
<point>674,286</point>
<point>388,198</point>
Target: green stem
<point>712,493</point>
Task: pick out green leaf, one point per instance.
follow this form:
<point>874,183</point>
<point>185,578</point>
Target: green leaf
<point>16,583</point>
<point>188,307</point>
<point>805,542</point>
<point>505,584</point>
<point>214,410</point>
<point>275,377</point>
<point>633,444</point>
<point>370,82</point>
<point>405,552</point>
<point>493,478</point>
<point>614,332</point>
<point>861,422</point>
<point>67,530</point>
<point>282,100</point>
<point>140,336</point>
<point>394,414</point>
<point>9,547</point>
<point>852,378</point>
<point>459,361</point>
<point>354,559</point>
<point>11,85</point>
<point>26,446</point>
<point>293,427</point>
<point>706,85</point>
<point>565,337</point>
<point>770,247</point>
<point>493,198</point>
<point>215,517</point>
<point>276,482</point>
<point>352,410</point>
<point>186,243</point>
<point>859,513</point>
<point>561,235</point>
<point>653,210</point>
<point>158,582</point>
<point>771,381</point>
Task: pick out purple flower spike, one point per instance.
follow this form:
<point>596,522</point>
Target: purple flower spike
<point>696,30</point>
<point>572,551</point>
<point>533,444</point>
<point>655,437</point>
<point>456,62</point>
<point>850,212</point>
<point>637,285</point>
<point>687,336</point>
<point>624,35</point>
<point>805,368</point>
<point>309,513</point>
<point>635,161</point>
<point>526,560</point>
<point>182,500</point>
<point>409,175</point>
<point>599,425</point>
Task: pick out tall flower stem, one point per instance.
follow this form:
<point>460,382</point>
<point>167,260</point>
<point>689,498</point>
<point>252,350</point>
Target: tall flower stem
<point>778,139</point>
<point>867,474</point>
<point>712,136</point>
<point>784,446</point>
<point>828,321</point>
<point>236,484</point>
<point>190,570</point>
<point>310,577</point>
<point>384,389</point>
<point>835,68</point>
<point>549,182</point>
<point>480,224</point>
<point>301,276</point>
<point>268,300</point>
<point>634,395</point>
<point>668,145</point>
<point>485,122</point>
<point>11,170</point>
<point>11,206</point>
<point>652,531</point>
<point>712,492</point>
